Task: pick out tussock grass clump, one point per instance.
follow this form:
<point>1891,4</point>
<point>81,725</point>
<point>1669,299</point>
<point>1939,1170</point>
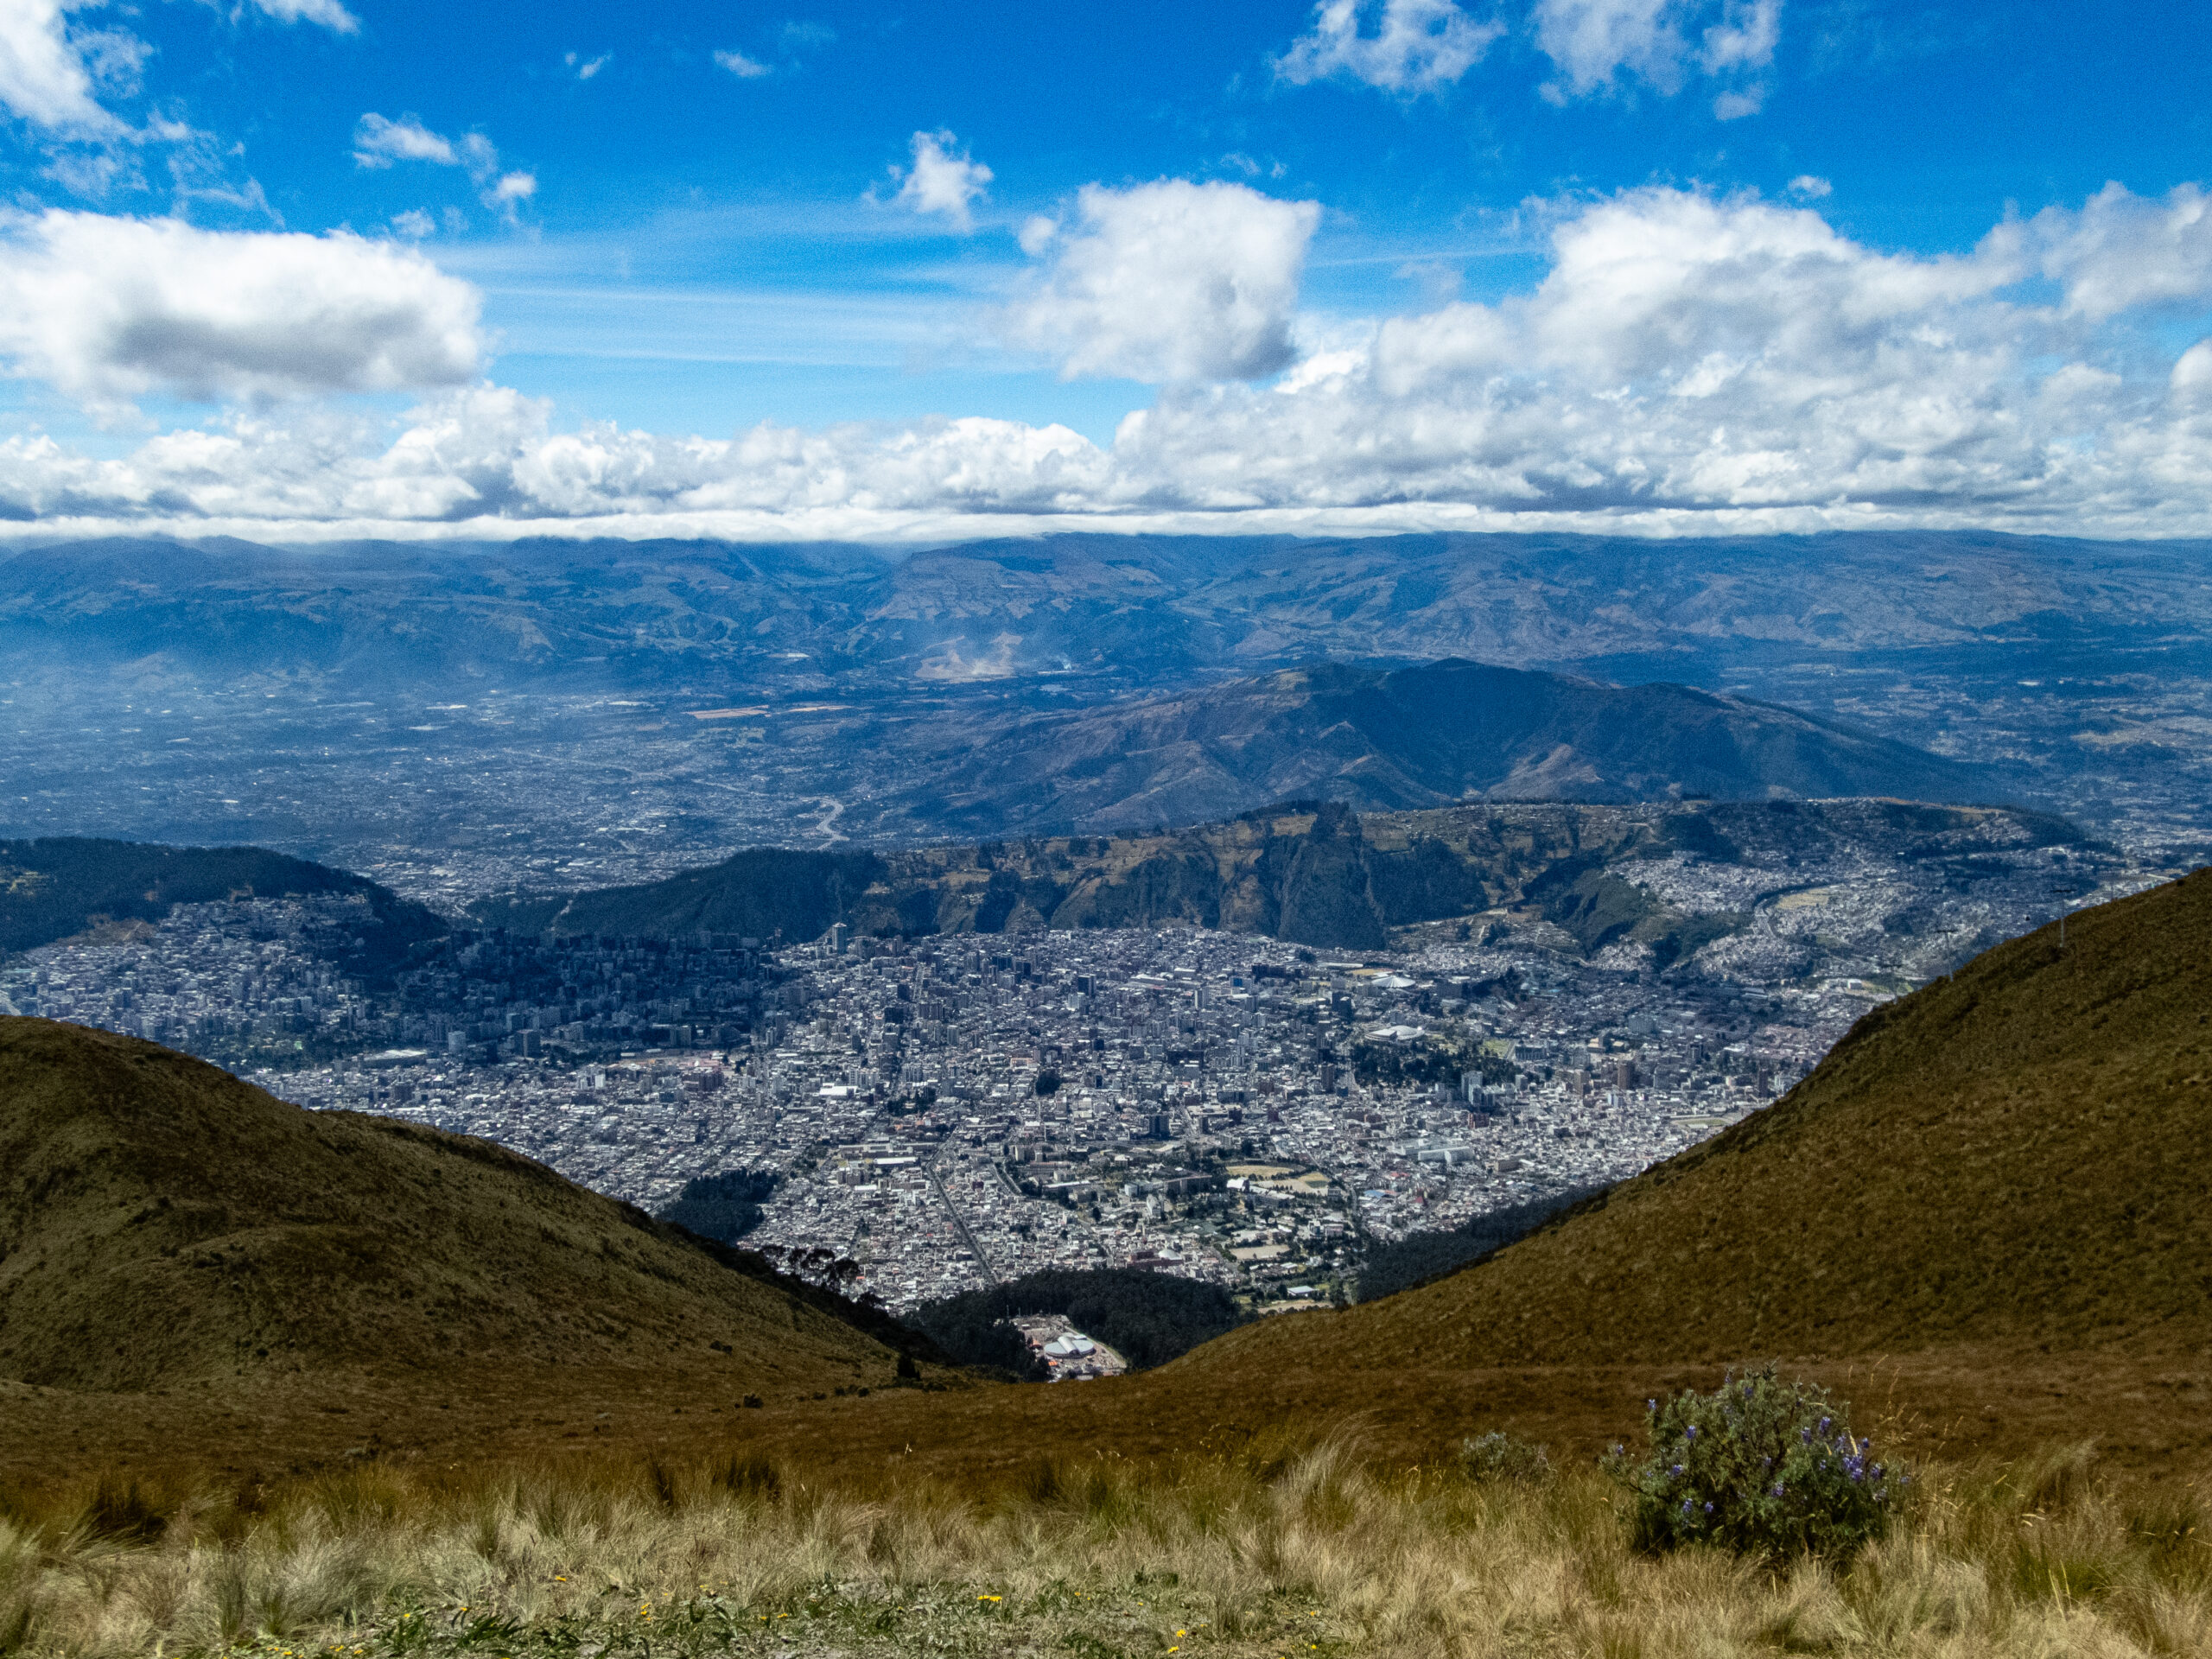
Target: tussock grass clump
<point>1501,1456</point>
<point>1290,1550</point>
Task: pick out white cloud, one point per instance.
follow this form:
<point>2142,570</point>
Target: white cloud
<point>414,224</point>
<point>1745,38</point>
<point>52,75</point>
<point>2122,251</point>
<point>587,67</point>
<point>1170,281</point>
<point>44,78</point>
<point>380,142</point>
<point>1807,187</point>
<point>106,309</point>
<point>943,180</point>
<point>1688,364</point>
<point>328,13</point>
<point>2191,379</point>
<point>1595,43</point>
<point>743,68</point>
<point>1418,46</point>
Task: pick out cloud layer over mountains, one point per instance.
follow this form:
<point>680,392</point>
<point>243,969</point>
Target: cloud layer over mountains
<point>1686,358</point>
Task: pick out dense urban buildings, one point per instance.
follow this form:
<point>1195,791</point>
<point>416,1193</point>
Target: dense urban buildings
<point>932,1115</point>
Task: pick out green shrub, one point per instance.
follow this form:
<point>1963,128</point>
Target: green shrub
<point>1759,1466</point>
<point>1496,1456</point>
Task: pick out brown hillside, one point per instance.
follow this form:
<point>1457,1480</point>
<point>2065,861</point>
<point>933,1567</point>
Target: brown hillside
<point>2013,1157</point>
<point>162,1222</point>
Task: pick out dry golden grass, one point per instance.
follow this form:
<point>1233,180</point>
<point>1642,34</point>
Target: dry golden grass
<point>1282,1551</point>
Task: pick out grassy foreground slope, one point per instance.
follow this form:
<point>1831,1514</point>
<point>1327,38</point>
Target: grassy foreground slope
<point>2014,1156</point>
<point>163,1223</point>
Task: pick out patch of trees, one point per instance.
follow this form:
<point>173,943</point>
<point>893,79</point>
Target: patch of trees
<point>724,1207</point>
<point>1441,1056</point>
<point>1147,1318</point>
<point>1420,1258</point>
<point>57,887</point>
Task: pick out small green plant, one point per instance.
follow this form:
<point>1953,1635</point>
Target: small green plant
<point>1497,1456</point>
<point>1760,1466</point>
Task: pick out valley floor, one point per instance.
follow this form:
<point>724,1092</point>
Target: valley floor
<point>1269,1546</point>
<point>2149,1412</point>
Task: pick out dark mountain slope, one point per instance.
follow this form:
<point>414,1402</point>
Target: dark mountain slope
<point>163,1221</point>
<point>1426,736</point>
<point>2012,1157</point>
<point>1313,874</point>
<point>58,887</point>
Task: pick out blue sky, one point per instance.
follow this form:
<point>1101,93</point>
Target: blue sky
<point>322,267</point>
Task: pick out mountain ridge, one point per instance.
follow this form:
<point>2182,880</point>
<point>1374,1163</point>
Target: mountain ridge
<point>55,888</point>
<point>162,1221</point>
<point>1311,872</point>
<point>1439,733</point>
<point>2008,1156</point>
<point>1161,606</point>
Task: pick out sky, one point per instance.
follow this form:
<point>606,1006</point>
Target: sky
<point>306,269</point>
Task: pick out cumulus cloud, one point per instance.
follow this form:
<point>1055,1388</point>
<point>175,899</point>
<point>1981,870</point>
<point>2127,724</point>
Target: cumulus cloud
<point>942,180</point>
<point>1417,46</point>
<point>489,453</point>
<point>107,310</point>
<point>1595,44</point>
<point>44,75</point>
<point>1168,282</point>
<point>587,67</point>
<point>1688,363</point>
<point>53,73</point>
<point>2122,251</point>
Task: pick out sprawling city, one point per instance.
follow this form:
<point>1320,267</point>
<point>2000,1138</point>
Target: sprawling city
<point>934,1115</point>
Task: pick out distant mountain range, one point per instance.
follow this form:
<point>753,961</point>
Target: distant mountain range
<point>1142,611</point>
<point>633,706</point>
<point>1383,740</point>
